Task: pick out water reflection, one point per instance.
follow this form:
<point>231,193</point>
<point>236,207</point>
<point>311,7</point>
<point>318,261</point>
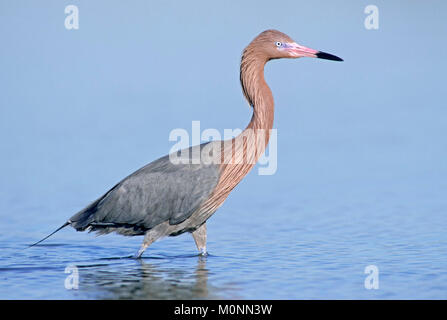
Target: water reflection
<point>141,279</point>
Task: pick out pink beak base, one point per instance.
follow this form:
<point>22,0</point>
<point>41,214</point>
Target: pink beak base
<point>301,51</point>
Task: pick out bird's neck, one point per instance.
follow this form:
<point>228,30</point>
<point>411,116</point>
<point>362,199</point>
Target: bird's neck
<point>242,152</point>
<point>239,155</point>
<point>259,96</point>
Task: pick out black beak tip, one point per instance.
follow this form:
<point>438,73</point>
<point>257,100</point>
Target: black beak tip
<point>328,56</point>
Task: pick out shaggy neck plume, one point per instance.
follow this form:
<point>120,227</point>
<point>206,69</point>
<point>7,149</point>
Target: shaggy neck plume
<point>240,154</point>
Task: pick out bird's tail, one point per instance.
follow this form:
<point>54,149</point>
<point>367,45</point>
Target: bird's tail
<point>61,227</point>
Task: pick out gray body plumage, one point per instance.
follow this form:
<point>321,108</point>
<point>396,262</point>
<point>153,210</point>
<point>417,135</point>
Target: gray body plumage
<point>159,192</point>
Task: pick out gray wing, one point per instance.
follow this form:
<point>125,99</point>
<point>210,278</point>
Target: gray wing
<point>160,191</point>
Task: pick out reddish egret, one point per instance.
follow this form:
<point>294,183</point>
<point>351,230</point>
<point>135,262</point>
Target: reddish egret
<point>167,198</point>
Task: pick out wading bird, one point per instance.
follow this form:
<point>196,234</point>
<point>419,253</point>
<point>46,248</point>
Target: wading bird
<point>166,197</point>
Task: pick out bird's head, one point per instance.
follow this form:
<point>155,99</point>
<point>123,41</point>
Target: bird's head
<point>273,44</point>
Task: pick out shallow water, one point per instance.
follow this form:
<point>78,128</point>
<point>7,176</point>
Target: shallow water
<point>313,246</point>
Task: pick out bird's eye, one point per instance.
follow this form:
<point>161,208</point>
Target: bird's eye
<point>278,44</point>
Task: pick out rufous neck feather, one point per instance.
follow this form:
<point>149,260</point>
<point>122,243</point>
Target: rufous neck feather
<point>258,94</point>
<point>240,154</point>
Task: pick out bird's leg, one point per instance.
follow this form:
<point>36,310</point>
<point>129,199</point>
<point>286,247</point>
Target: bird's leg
<point>199,236</point>
<point>148,239</point>
<point>139,253</point>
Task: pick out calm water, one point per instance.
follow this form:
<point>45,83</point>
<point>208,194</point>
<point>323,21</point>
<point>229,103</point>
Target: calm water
<point>306,244</point>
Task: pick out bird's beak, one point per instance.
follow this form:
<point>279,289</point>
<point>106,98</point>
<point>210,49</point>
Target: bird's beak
<point>296,51</point>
